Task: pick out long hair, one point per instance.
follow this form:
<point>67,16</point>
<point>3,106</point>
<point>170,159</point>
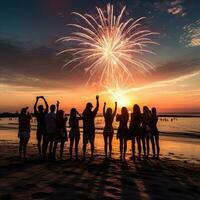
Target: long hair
<point>72,117</point>
<point>136,110</point>
<point>124,112</point>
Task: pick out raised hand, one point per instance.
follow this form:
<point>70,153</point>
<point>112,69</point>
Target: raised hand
<point>104,103</point>
<point>97,97</point>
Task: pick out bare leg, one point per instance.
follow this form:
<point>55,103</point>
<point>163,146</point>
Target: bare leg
<point>20,148</point>
<point>92,147</point>
<point>62,148</point>
<point>51,147</point>
<point>147,141</point>
<point>84,149</point>
<point>71,147</point>
<point>144,146</point>
<point>125,147</point>
<point>153,146</point>
<point>157,145</point>
<point>39,145</point>
<point>133,147</point>
<point>54,149</point>
<point>46,143</point>
<point>110,145</point>
<point>105,144</point>
<point>139,146</point>
<point>25,146</point>
<point>121,147</point>
<point>76,148</point>
<point>44,140</point>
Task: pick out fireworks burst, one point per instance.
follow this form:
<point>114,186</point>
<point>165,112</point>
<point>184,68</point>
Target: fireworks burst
<point>110,49</point>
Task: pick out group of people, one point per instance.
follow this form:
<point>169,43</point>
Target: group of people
<point>51,130</point>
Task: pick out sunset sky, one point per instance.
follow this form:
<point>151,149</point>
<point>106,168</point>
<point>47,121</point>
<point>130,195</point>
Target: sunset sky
<point>29,66</point>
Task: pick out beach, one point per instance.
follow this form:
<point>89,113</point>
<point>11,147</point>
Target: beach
<point>175,176</point>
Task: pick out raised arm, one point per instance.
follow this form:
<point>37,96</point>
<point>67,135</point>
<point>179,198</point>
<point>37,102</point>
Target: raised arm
<point>97,105</point>
<point>114,113</point>
<point>57,106</point>
<point>104,109</point>
<point>46,105</point>
<point>35,105</point>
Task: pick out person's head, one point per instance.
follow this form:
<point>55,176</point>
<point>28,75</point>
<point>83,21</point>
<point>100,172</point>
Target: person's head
<point>73,112</point>
<point>89,106</point>
<point>52,108</point>
<point>154,111</point>
<point>136,109</point>
<point>40,108</point>
<point>145,109</point>
<point>24,111</point>
<point>109,111</point>
<point>60,114</point>
<point>124,111</point>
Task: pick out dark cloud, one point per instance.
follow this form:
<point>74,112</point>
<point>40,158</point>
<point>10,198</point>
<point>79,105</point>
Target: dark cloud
<point>36,67</point>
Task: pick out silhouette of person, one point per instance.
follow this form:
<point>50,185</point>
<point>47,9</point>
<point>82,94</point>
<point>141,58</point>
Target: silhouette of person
<point>122,131</point>
<point>146,132</point>
<point>154,129</point>
<point>40,113</point>
<point>135,129</point>
<point>61,132</point>
<point>89,126</point>
<point>24,131</point>
<point>50,122</point>
<point>108,129</point>
<point>74,133</point>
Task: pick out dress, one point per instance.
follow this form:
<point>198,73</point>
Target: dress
<point>122,132</point>
<point>135,125</point>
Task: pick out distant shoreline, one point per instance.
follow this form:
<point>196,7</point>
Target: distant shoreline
<point>190,115</point>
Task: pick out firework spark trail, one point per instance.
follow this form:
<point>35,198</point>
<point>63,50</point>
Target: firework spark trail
<point>108,48</point>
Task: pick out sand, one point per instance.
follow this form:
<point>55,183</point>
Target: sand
<point>98,179</point>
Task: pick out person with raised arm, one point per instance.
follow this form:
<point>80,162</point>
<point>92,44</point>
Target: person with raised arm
<point>74,133</point>
<point>40,112</point>
<point>122,132</point>
<point>135,130</point>
<point>89,126</point>
<point>24,131</point>
<point>61,132</point>
<point>108,131</point>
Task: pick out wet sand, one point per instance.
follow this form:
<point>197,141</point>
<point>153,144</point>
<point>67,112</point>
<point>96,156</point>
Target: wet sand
<point>168,178</point>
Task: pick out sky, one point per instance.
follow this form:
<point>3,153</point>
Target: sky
<point>29,66</point>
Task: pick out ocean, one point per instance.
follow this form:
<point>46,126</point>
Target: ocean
<point>181,125</point>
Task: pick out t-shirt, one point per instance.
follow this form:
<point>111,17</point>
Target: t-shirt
<point>50,121</point>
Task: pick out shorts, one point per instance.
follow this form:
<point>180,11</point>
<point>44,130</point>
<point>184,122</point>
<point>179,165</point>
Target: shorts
<point>40,132</point>
<point>24,135</point>
<point>61,135</point>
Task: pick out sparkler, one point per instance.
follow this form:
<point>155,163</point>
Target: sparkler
<point>110,49</point>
